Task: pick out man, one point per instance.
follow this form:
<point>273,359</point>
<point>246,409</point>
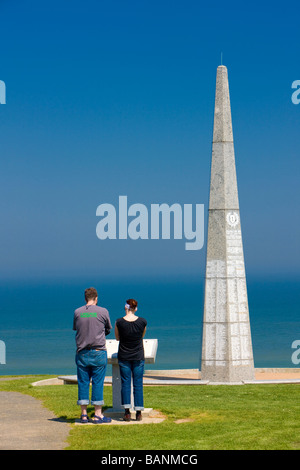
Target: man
<point>92,324</point>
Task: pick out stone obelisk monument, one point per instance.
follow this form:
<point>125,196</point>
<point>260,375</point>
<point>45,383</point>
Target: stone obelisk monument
<point>226,347</point>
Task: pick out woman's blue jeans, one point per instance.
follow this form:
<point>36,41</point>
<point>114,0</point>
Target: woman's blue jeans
<point>134,369</point>
<point>91,366</point>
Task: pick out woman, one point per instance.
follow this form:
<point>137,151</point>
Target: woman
<point>130,330</point>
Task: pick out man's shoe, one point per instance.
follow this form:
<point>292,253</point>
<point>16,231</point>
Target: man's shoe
<point>139,416</point>
<point>84,419</point>
<point>104,419</point>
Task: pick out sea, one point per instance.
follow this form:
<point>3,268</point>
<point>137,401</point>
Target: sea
<point>37,321</point>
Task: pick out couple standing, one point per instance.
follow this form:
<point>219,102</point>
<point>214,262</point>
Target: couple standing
<point>92,325</point>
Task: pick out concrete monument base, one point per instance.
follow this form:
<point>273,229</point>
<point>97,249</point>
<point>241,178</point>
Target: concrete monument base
<point>228,374</point>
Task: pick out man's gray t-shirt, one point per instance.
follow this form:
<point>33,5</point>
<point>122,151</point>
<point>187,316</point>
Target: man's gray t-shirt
<point>92,324</point>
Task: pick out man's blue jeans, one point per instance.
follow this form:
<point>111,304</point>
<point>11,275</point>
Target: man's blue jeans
<point>91,366</point>
<point>134,369</point>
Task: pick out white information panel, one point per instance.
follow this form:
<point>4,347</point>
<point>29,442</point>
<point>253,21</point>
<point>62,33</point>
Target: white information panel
<point>150,349</point>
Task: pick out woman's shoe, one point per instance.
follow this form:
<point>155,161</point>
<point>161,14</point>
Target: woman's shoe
<point>127,415</point>
<point>139,416</point>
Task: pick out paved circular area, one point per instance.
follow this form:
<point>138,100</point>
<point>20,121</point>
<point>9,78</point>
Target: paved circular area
<point>27,425</point>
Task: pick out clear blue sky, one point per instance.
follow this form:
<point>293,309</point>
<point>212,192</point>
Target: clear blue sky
<point>109,98</point>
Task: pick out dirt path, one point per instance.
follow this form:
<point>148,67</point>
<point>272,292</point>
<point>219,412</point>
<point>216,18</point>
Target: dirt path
<point>27,425</point>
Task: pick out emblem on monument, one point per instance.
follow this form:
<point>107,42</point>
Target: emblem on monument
<point>232,219</point>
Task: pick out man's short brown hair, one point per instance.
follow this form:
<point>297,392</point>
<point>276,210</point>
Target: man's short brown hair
<point>90,294</point>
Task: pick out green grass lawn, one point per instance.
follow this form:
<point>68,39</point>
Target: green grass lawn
<point>220,417</point>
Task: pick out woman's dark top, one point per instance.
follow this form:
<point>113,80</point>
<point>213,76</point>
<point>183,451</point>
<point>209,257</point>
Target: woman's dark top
<point>131,346</point>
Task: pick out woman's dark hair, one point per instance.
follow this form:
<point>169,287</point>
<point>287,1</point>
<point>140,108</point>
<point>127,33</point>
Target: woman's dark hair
<point>133,303</point>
